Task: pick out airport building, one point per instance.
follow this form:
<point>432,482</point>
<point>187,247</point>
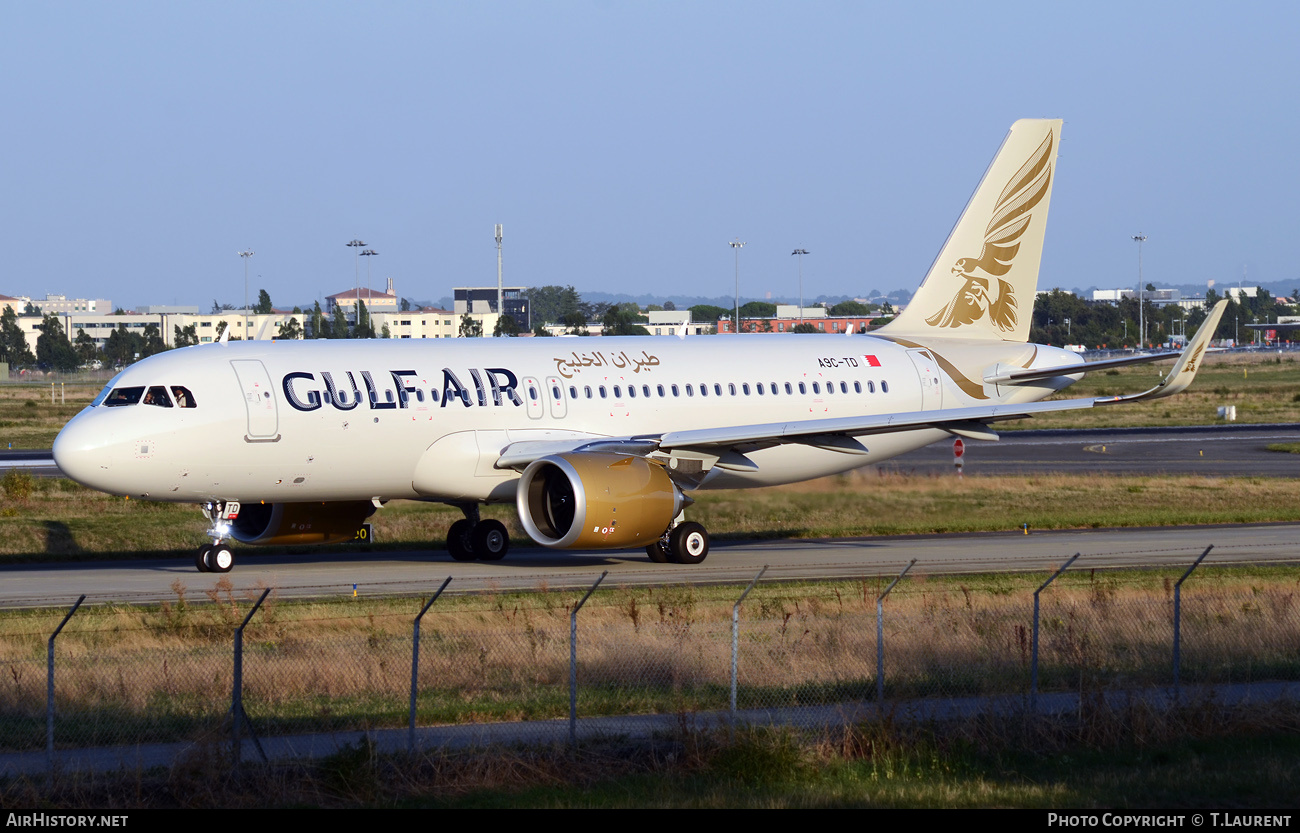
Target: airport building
<point>482,300</point>
<point>431,322</point>
<point>1156,297</point>
<point>207,326</point>
<point>375,301</point>
<point>57,304</point>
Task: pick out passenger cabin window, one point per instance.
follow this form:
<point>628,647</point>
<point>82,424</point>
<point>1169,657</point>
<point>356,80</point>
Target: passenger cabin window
<point>157,395</point>
<point>184,399</point>
<point>124,396</point>
<point>884,386</point>
<point>803,388</point>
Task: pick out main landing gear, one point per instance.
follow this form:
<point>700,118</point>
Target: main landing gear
<point>471,539</point>
<point>216,557</point>
<point>686,543</point>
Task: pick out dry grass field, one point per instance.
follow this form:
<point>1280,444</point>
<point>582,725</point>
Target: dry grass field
<point>129,674</point>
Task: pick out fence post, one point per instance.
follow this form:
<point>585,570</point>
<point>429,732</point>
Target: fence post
<point>735,641</point>
<point>880,634</point>
<point>1033,674</point>
<point>1178,621</point>
<point>573,662</point>
<point>237,713</point>
<point>415,663</point>
<point>49,687</point>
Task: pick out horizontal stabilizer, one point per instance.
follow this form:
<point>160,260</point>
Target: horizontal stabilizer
<point>1011,377</point>
<point>1184,370</point>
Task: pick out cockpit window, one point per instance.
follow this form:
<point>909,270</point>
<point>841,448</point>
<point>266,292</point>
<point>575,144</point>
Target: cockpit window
<point>184,399</point>
<point>107,389</point>
<point>123,396</point>
<point>157,395</point>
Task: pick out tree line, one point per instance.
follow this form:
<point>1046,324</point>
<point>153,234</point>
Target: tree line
<point>1061,318</point>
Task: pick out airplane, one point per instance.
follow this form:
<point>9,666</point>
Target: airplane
<point>598,442</point>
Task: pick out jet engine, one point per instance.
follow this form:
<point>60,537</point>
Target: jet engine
<point>300,523</point>
<point>596,501</point>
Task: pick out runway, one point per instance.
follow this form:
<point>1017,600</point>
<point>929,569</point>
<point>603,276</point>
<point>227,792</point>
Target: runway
<point>1217,450</point>
<point>414,574</point>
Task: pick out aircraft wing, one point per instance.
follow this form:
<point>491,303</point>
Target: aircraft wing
<point>728,443</point>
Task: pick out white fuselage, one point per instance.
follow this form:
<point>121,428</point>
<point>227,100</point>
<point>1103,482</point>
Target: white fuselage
<point>301,421</point>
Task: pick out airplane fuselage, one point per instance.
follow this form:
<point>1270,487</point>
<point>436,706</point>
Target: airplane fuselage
<point>323,420</point>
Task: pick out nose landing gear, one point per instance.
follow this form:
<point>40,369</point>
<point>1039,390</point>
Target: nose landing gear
<point>217,557</point>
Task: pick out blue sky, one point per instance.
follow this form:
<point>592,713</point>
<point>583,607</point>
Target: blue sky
<point>623,145</point>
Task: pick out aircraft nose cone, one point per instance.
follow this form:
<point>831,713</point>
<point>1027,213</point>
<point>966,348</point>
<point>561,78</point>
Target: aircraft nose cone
<point>81,452</point>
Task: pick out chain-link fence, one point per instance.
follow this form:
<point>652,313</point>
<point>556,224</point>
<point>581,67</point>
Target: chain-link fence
<point>624,660</point>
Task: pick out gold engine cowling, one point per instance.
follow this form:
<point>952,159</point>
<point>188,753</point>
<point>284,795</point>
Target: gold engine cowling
<point>300,523</point>
<point>596,501</point>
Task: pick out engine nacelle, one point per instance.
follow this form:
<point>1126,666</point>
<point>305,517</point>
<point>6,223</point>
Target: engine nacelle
<point>596,501</point>
<point>300,523</point>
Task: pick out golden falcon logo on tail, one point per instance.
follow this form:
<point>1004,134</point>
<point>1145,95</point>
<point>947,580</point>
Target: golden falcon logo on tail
<point>984,291</point>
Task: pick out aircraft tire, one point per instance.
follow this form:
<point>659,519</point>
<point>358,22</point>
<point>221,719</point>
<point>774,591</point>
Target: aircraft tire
<point>688,543</point>
<point>219,559</point>
<point>460,543</point>
<point>201,558</point>
<point>491,540</point>
<point>658,553</point>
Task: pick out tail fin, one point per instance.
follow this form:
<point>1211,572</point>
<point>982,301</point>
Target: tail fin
<point>982,284</point>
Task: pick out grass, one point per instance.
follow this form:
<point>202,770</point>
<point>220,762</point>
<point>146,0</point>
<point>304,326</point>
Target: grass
<point>152,673</point>
<point>1265,388</point>
<point>30,417</point>
<point>1133,758</point>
